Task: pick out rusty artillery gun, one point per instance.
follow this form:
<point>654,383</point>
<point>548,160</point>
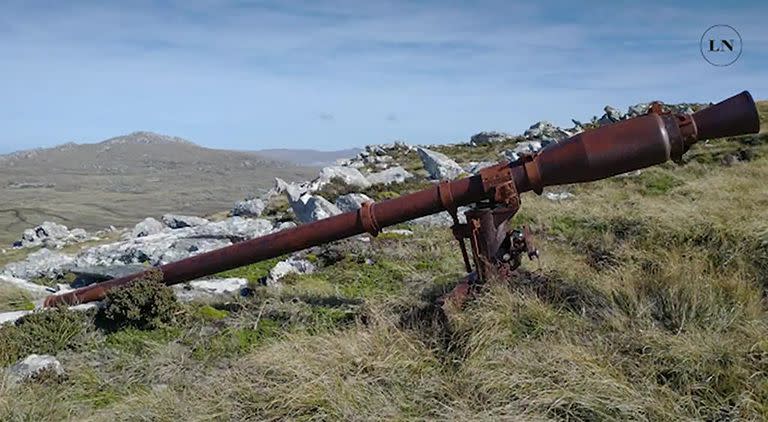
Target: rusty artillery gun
<point>494,194</point>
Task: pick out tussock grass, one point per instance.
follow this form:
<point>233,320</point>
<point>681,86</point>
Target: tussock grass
<point>649,303</point>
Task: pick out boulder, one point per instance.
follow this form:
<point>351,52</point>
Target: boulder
<point>42,263</point>
<point>545,130</point>
<point>172,245</point>
<point>486,138</point>
<point>180,221</point>
<point>32,366</point>
<point>50,234</point>
<point>474,168</point>
<point>249,208</point>
<point>441,219</point>
<point>96,274</point>
<point>351,176</point>
<point>146,227</point>
<point>613,114</point>
<point>521,148</point>
<point>311,208</point>
<point>391,175</point>
<point>351,201</point>
<point>438,165</point>
<point>289,266</point>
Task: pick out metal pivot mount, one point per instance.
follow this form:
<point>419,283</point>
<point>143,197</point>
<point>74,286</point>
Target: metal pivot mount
<point>495,250</point>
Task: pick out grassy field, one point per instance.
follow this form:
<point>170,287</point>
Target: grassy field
<point>648,304</point>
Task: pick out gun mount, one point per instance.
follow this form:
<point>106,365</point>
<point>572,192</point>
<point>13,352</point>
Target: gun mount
<point>596,154</point>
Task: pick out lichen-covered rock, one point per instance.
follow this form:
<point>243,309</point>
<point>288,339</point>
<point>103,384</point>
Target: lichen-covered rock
<point>521,148</point>
<point>147,227</point>
<point>42,263</point>
<point>249,208</point>
<point>175,221</point>
<point>34,288</point>
<point>351,176</point>
<point>545,130</point>
<point>311,208</point>
<point>391,175</point>
<point>485,138</point>
<point>50,234</point>
<point>202,289</point>
<point>438,165</point>
<point>558,196</point>
<point>351,201</point>
<point>289,266</point>
<point>474,167</point>
<point>32,366</point>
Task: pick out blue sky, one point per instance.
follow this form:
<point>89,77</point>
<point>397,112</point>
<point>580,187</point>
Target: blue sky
<point>332,75</point>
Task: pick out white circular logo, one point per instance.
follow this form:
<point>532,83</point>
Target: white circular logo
<point>720,45</point>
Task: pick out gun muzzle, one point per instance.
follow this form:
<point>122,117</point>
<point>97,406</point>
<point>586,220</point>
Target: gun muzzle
<point>637,143</point>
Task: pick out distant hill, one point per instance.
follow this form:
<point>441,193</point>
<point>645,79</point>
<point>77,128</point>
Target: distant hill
<point>121,180</point>
<point>308,157</point>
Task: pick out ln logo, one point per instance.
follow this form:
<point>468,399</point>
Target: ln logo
<point>720,45</point>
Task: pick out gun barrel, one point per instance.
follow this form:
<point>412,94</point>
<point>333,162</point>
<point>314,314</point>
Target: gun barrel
<point>618,148</point>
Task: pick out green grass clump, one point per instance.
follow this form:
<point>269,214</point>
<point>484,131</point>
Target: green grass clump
<point>209,313</point>
<point>146,303</point>
<point>14,299</point>
<point>44,332</point>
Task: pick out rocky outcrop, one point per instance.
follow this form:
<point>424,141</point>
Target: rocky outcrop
<point>147,227</point>
<point>175,221</point>
<point>306,207</point>
<point>249,208</point>
<point>391,175</point>
<point>350,176</point>
<point>438,165</point>
<point>351,201</point>
<point>486,138</point>
<point>51,235</point>
<point>546,132</point>
<point>521,148</point>
<point>42,263</point>
<point>474,167</point>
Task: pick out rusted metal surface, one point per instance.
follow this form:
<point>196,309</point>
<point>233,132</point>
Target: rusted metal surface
<point>613,149</point>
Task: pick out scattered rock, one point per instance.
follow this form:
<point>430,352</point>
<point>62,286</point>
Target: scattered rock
<point>391,175</point>
<point>249,208</point>
<point>50,234</point>
<point>201,289</point>
<point>399,232</point>
<point>438,165</point>
<point>42,263</point>
<point>486,138</point>
<point>521,148</point>
<point>545,130</point>
<point>474,168</point>
<point>613,114</point>
<point>89,275</point>
<point>180,221</point>
<point>350,176</point>
<point>32,366</point>
<point>285,225</point>
<point>146,227</point>
<point>440,219</point>
<point>289,266</point>
<point>351,201</point>
<point>13,316</point>
<point>558,196</point>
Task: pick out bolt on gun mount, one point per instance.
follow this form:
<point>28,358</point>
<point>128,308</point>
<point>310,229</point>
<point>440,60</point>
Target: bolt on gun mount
<point>596,154</point>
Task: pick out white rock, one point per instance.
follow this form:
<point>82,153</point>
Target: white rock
<point>391,175</point>
<point>33,365</point>
<point>147,227</point>
<point>439,165</point>
<point>289,266</point>
<point>180,221</point>
<point>208,288</point>
<point>558,196</point>
<point>351,201</point>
